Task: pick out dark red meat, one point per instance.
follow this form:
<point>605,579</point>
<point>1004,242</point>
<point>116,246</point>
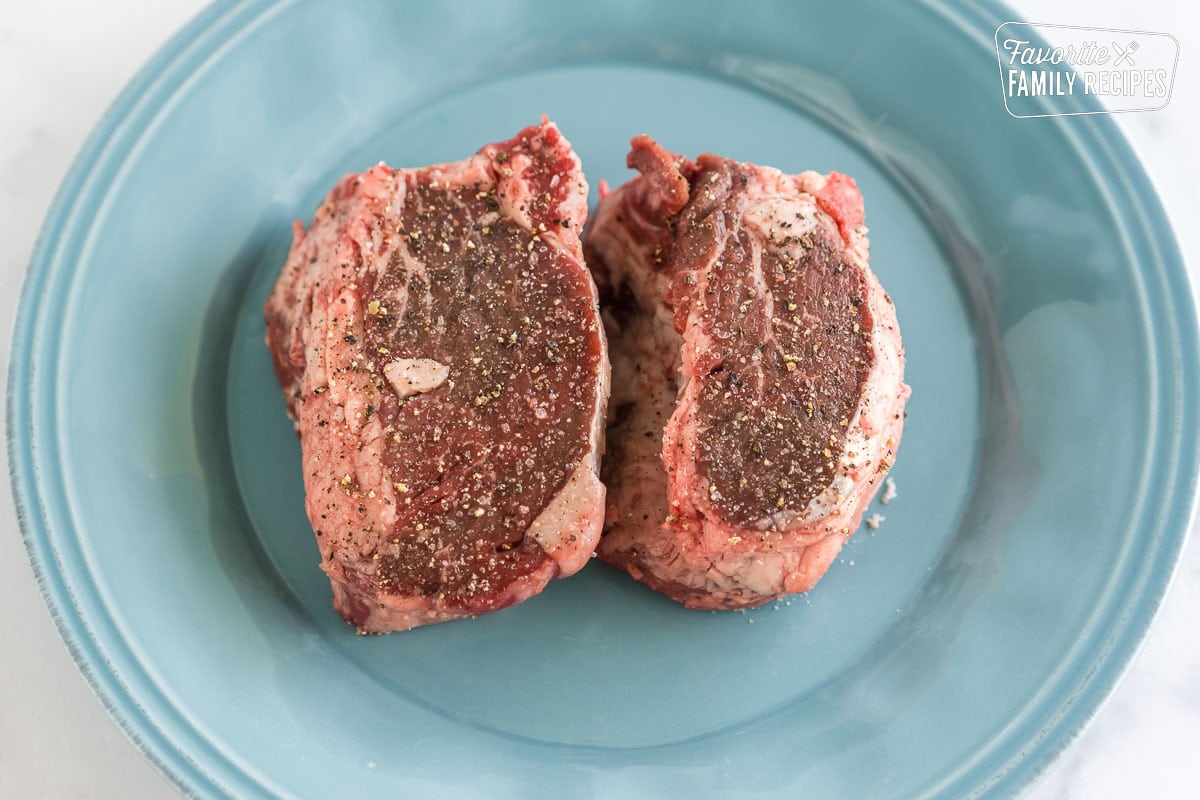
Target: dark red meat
<point>437,338</point>
<point>758,393</point>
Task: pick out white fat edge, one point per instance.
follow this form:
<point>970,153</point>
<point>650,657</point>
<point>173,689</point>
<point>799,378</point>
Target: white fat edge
<point>833,500</point>
<point>565,529</point>
<point>603,388</point>
<point>889,352</point>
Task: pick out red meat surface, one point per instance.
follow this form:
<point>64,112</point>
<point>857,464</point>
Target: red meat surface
<point>437,339</point>
<point>758,392</point>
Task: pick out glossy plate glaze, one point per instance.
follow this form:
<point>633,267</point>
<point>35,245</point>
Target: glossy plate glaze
<point>1045,479</point>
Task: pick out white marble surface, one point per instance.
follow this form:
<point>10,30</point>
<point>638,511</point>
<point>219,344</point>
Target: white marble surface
<point>63,61</point>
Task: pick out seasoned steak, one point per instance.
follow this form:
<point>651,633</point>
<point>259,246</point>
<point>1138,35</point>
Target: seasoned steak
<point>437,339</point>
<point>758,375</point>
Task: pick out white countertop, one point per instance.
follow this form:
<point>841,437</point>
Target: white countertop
<point>63,62</point>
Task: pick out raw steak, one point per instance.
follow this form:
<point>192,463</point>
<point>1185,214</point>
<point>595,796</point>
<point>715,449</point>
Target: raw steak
<point>436,335</point>
<point>758,375</point>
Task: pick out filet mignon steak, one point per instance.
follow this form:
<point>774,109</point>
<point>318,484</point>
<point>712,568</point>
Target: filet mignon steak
<point>437,339</point>
<point>758,392</point>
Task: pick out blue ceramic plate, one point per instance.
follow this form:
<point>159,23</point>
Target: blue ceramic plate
<point>1045,480</point>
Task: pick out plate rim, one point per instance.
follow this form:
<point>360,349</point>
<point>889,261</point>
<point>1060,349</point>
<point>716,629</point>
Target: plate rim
<point>212,29</point>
